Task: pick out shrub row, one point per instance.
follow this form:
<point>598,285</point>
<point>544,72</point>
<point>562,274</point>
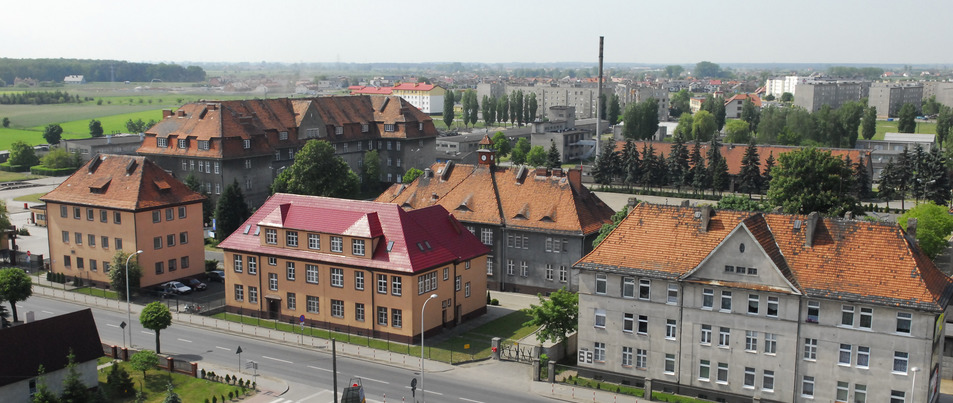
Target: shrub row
<point>42,170</point>
<point>13,168</point>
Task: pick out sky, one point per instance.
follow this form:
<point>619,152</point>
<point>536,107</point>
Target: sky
<point>489,31</point>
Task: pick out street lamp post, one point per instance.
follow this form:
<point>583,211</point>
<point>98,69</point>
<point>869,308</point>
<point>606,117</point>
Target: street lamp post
<point>128,304</point>
<point>913,384</point>
<point>422,331</point>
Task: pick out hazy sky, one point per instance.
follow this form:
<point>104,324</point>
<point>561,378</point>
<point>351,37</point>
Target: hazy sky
<point>686,31</point>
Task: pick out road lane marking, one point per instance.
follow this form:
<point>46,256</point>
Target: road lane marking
<point>277,400</point>
<point>277,359</point>
<point>187,341</point>
<point>48,312</point>
<point>429,391</point>
<point>150,333</point>
<point>111,325</point>
<point>223,348</point>
<point>322,369</point>
<point>313,395</point>
<point>470,400</point>
<point>371,379</point>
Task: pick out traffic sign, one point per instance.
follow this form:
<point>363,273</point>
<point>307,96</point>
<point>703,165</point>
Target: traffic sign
<point>239,351</point>
<point>301,319</point>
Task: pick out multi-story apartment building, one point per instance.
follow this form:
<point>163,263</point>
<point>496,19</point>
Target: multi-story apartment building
<point>633,93</point>
<point>536,222</point>
<point>252,141</point>
<point>582,97</point>
<point>888,98</point>
<point>812,95</point>
<point>560,129</point>
<point>358,266</point>
<point>426,97</point>
<point>778,86</point>
<point>124,203</point>
<point>943,91</point>
<point>737,306</point>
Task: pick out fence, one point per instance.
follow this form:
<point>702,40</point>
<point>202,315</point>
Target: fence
<point>166,363</point>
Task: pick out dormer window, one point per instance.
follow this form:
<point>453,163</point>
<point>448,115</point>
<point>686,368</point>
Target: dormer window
<point>183,143</point>
<point>283,136</point>
<point>203,145</point>
<point>162,143</point>
<point>338,130</point>
<point>390,127</point>
<point>365,128</point>
<point>246,143</point>
<point>420,126</point>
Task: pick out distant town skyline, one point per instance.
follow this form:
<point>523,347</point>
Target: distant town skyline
<point>491,31</point>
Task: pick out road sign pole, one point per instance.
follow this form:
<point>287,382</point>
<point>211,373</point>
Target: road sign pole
<point>239,352</point>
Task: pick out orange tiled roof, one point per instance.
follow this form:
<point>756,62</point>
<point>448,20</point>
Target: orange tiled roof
<point>755,99</point>
<point>850,260</point>
<point>122,182</point>
<point>513,196</point>
<point>734,153</point>
<point>340,111</point>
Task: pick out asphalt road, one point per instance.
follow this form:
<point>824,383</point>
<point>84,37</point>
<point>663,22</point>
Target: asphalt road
<point>307,370</point>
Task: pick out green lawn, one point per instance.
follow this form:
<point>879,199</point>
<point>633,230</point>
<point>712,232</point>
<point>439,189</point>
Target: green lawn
<point>156,383</point>
<point>884,126</point>
<point>16,176</point>
<point>33,198</point>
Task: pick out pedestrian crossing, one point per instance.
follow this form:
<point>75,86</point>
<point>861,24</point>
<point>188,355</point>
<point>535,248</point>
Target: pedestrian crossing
<point>324,396</point>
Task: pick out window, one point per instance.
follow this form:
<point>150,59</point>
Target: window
<point>66,261</point>
<point>78,237</point>
<point>118,243</point>
<point>239,292</point>
<point>314,241</point>
<point>246,143</point>
<point>726,301</point>
<point>172,263</point>
<point>253,265</point>
<point>183,238</point>
<point>272,261</point>
<point>104,240</point>
<point>843,389</point>
<point>292,301</point>
<point>706,334</point>
<point>446,273</point>
<point>365,128</point>
<point>773,304</point>
<point>599,353</point>
<point>103,216</point>
<point>672,294</point>
<point>708,298</point>
<point>749,378</point>
<point>337,277</point>
<point>670,329</point>
<point>337,308</point>
<point>253,294</point>
<point>90,214</point>
<point>271,236</point>
<point>729,269</point>
<point>289,270</point>
<point>843,358</point>
<point>722,373</point>
<point>626,356</point>
<point>628,322</point>
<point>601,283</point>
<point>628,287</point>
<point>184,262</point>
<point>357,247</point>
<point>426,283</point>
<point>117,217</point>
<point>900,359</point>
<point>704,370</point>
<point>807,386</point>
<point>644,288</point>
<point>389,128</point>
<point>382,316</point>
<point>724,336</point>
<point>643,324</point>
<point>161,142</point>
<point>396,317</point>
<point>897,396</point>
<point>272,281</point>
<point>563,274</point>
<point>359,280</point>
<point>751,341</point>
<point>337,244</point>
<point>170,240</point>
<point>157,242</point>
<point>866,318</point>
<point>600,318</point>
<point>65,236</point>
<point>860,393</point>
<point>486,236</point>
<point>549,272</point>
<point>753,301</point>
<point>182,143</point>
<point>641,358</point>
<point>524,269</point>
<point>169,214</point>
<point>64,212</point>
<point>847,315</point>
<point>509,267</point>
<point>670,364</point>
<point>359,312</point>
<point>813,311</point>
<point>156,216</point>
<point>457,282</point>
<point>396,285</point>
<point>863,357</point>
<point>904,322</point>
<point>77,213</point>
<point>466,291</point>
<point>313,305</point>
<point>92,264</point>
<point>770,343</point>
<point>767,381</point>
<point>291,238</point>
<point>238,263</point>
<point>382,283</point>
<point>810,349</point>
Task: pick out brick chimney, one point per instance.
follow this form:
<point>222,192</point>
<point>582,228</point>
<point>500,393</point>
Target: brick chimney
<point>706,212</point>
<point>811,223</point>
<point>575,178</point>
<point>166,113</point>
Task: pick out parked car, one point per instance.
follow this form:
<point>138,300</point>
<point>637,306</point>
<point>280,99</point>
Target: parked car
<point>197,285</point>
<point>176,287</point>
<point>216,275</point>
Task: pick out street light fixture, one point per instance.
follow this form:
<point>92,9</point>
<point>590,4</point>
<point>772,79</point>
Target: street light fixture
<point>422,331</point>
<point>128,304</point>
<point>913,383</point>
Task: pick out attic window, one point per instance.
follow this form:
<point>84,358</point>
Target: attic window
<point>390,127</point>
<point>247,228</point>
<point>421,246</point>
<point>797,224</point>
<point>420,126</point>
<point>427,244</point>
<point>523,213</point>
<point>131,167</point>
<point>283,136</point>
<point>162,143</point>
<point>246,144</point>
<point>465,203</point>
<point>390,245</point>
<point>203,145</point>
<point>365,128</point>
<point>338,130</point>
<point>257,231</point>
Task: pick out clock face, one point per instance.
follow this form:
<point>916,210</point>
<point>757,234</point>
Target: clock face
<point>483,157</point>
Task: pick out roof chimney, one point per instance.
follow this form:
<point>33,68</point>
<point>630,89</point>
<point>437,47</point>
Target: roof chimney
<point>911,231</point>
<point>706,212</point>
<point>812,220</point>
<point>575,178</point>
<point>166,113</point>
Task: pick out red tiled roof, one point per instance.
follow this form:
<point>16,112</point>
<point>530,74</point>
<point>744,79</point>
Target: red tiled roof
<point>849,260</point>
<point>414,87</point>
<point>122,182</point>
<point>448,240</point>
<point>742,97</point>
<point>363,90</point>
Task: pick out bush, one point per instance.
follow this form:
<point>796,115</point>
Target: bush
<point>211,265</point>
<point>214,399</point>
<point>23,231</point>
<point>43,170</point>
<point>494,302</point>
<point>13,168</point>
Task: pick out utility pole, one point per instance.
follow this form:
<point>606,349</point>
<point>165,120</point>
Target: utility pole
<point>599,104</point>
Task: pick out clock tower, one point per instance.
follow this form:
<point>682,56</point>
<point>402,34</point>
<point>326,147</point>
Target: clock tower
<point>486,155</point>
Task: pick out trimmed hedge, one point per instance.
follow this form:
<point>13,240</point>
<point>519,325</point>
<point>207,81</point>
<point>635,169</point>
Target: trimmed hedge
<point>13,168</point>
<point>42,170</point>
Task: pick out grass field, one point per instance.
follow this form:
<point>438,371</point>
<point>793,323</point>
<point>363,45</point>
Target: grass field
<point>884,126</point>
<point>156,382</point>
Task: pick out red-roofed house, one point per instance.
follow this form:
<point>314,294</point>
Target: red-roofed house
<point>121,202</point>
<point>734,306</point>
<point>734,104</point>
<point>356,265</point>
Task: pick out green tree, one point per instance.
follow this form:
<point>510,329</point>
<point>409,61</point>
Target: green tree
<point>6,121</point>
<point>516,107</point>
<point>750,114</point>
<point>488,118</point>
<point>43,393</point>
<point>641,120</point>
<point>95,128</point>
<point>155,317</point>
<point>613,110</point>
<point>501,144</point>
<point>519,153</point>
<point>60,158</point>
<point>943,123</point>
<point>553,159</point>
<point>737,131</point>
<point>934,224</point>
<point>716,105</point>
<point>119,383</point>
<point>117,276</point>
<point>768,167</point>
<point>533,106</point>
<point>629,165</point>
<point>869,125</point>
<point>908,116</point>
<point>680,103</point>
<point>371,171</point>
<point>74,390</point>
<point>808,180</point>
<point>703,126</point>
<point>887,186</point>
<point>137,126</point>
<point>231,210</point>
<point>557,316</point>
<point>740,203</point>
<point>537,156</point>
<point>171,396</point>
<point>207,207</point>
<point>604,169</point>
<point>448,112</point>
<point>411,175</point>
<point>673,71</point>
<point>717,166</point>
<point>930,106</point>
<point>22,154</point>
<point>787,97</point>
<point>15,286</point>
<point>472,110</point>
<point>850,115</point>
<point>684,128</point>
<point>933,177</point>
<point>750,175</point>
<point>317,172</point>
<point>503,109</point>
<point>144,360</point>
<point>608,227</point>
<point>52,133</point>
<point>707,69</point>
<point>678,166</point>
<point>698,173</point>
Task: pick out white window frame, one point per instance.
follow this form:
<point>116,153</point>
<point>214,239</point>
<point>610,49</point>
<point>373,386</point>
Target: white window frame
<point>706,335</point>
<point>602,283</point>
<point>600,319</point>
<point>708,298</point>
<point>671,326</point>
<point>311,274</point>
<point>337,277</point>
